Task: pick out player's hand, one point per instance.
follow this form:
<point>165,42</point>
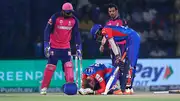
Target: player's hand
<point>118,61</point>
<point>82,91</point>
<point>101,48</point>
<point>79,54</point>
<point>46,49</point>
<point>86,91</point>
<point>79,48</point>
<point>89,91</point>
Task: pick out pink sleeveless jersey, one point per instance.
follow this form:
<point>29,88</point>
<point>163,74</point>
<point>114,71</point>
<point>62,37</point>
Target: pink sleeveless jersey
<point>61,35</point>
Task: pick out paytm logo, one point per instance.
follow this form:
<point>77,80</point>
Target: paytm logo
<point>153,73</point>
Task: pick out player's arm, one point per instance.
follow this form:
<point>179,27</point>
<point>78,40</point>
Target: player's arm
<point>49,28</point>
<point>113,46</point>
<point>77,35</point>
<point>102,84</point>
<point>108,32</point>
<point>103,41</point>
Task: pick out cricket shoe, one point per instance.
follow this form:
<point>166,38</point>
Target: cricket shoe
<point>43,91</point>
<point>128,91</point>
<point>118,92</point>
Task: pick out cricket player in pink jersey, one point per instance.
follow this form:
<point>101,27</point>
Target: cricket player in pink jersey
<point>60,29</point>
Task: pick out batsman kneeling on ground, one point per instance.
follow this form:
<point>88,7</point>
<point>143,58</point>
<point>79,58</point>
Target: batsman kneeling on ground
<point>95,78</point>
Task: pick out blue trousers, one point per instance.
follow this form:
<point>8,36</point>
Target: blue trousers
<point>59,54</point>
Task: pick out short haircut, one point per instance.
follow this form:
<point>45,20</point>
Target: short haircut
<point>113,5</point>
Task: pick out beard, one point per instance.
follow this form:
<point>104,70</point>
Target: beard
<point>113,16</point>
<point>67,15</point>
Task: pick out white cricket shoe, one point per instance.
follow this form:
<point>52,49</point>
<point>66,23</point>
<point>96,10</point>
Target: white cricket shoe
<point>129,91</point>
<point>43,91</point>
<point>132,91</point>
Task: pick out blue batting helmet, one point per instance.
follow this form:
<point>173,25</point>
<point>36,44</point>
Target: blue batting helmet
<point>95,29</point>
<point>70,88</point>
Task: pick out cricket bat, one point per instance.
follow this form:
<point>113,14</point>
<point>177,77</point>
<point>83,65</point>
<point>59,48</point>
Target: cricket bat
<point>113,76</point>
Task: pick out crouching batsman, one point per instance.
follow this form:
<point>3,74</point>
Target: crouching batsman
<point>60,29</point>
<point>115,34</point>
<point>95,78</point>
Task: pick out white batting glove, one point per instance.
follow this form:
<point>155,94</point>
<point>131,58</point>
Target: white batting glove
<point>89,91</point>
<point>85,91</point>
<point>82,91</point>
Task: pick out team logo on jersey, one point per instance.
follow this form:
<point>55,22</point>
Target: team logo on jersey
<point>109,24</point>
<point>61,21</point>
<point>69,23</point>
<point>117,24</point>
<point>65,27</point>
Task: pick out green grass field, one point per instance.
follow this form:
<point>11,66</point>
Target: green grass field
<point>60,97</point>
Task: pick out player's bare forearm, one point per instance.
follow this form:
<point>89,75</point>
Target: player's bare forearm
<point>103,41</point>
<point>113,46</point>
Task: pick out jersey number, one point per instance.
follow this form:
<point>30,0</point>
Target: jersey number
<point>99,78</point>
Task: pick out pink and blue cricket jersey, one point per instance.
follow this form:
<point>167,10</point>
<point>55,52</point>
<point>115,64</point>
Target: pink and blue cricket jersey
<point>132,38</point>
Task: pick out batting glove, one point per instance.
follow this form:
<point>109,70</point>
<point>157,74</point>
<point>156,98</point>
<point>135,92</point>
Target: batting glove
<point>89,91</point>
<point>82,91</point>
<point>79,49</point>
<point>86,91</point>
<point>46,49</point>
<point>118,61</point>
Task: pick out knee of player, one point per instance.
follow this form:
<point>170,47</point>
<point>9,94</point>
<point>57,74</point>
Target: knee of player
<point>68,64</point>
<point>69,74</point>
<point>51,67</point>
